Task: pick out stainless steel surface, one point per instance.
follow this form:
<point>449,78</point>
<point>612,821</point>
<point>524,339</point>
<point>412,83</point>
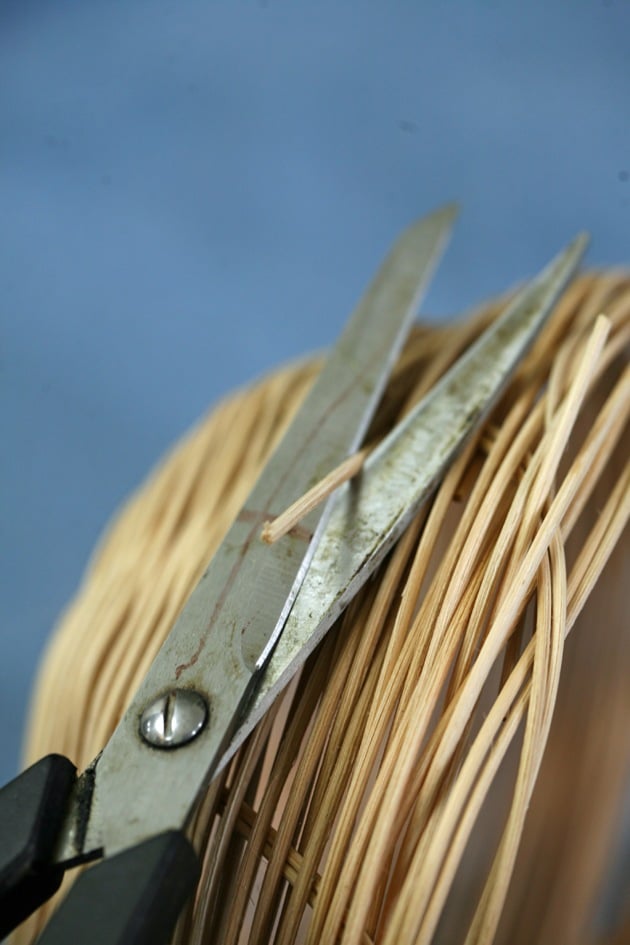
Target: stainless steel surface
<point>174,718</point>
<point>229,624</point>
<point>372,513</point>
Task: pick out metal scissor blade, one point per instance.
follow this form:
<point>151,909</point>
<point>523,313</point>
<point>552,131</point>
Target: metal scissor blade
<point>233,617</point>
<point>371,514</point>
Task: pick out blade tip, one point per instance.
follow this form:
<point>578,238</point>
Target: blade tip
<point>447,212</point>
<point>443,217</point>
<point>564,266</point>
<point>581,241</point>
<point>577,247</point>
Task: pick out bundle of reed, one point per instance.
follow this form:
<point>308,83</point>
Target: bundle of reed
<point>448,767</point>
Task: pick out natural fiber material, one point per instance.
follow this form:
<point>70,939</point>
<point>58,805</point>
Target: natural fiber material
<point>448,767</point>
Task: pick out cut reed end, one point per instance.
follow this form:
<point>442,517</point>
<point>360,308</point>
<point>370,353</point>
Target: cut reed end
<point>280,526</point>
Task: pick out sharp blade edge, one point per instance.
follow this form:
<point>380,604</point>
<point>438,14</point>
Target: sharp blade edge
<point>402,472</point>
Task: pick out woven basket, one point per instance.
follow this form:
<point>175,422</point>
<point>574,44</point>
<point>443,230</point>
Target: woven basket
<point>448,767</point>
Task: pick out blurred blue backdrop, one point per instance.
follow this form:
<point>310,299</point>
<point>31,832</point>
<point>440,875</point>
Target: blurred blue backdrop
<point>193,192</point>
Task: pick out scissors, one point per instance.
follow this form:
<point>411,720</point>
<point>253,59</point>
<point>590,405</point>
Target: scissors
<point>256,614</point>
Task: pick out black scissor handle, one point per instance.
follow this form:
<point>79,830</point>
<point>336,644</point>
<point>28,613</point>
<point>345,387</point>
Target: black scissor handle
<point>133,898</point>
<point>32,807</point>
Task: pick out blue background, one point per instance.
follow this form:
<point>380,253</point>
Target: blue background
<point>193,192</point>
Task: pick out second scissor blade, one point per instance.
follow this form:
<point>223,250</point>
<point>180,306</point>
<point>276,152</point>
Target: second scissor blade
<point>372,513</point>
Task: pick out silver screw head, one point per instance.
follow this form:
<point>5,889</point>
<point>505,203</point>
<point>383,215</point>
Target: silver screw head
<point>174,718</point>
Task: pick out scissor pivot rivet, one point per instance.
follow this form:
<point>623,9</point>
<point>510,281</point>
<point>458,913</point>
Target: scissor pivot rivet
<point>174,718</point>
